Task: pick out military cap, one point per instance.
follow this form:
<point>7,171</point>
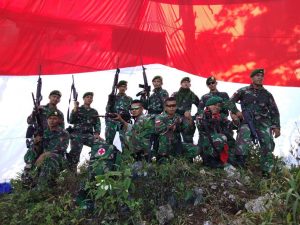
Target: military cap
<point>157,77</point>
<point>185,79</point>
<point>87,93</point>
<point>55,92</point>
<point>213,100</point>
<point>121,83</point>
<point>53,113</point>
<point>210,79</point>
<point>256,71</point>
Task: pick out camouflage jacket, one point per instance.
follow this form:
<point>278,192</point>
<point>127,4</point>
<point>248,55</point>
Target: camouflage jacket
<point>85,120</point>
<point>155,105</point>
<point>184,100</point>
<point>163,124</point>
<point>121,106</point>
<point>259,102</point>
<point>138,134</point>
<point>44,112</point>
<point>56,141</point>
<point>207,96</point>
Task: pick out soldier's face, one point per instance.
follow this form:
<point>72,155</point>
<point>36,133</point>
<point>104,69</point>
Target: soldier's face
<point>214,108</point>
<point>170,107</point>
<point>53,121</point>
<point>258,79</point>
<point>87,100</point>
<point>136,109</point>
<point>54,99</point>
<point>122,89</point>
<point>186,84</point>
<point>212,85</point>
<point>157,83</point>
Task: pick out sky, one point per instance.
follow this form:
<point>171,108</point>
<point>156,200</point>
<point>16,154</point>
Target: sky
<point>16,104</point>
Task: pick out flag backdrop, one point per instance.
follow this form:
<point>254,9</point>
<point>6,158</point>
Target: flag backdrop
<point>227,38</point>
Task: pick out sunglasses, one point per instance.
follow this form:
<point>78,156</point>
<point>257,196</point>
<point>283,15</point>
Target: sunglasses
<point>135,108</point>
<point>173,105</point>
<point>211,83</point>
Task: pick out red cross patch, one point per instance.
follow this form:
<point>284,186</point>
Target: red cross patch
<point>101,151</point>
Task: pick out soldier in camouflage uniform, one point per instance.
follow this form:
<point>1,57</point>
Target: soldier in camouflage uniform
<point>138,134</point>
<point>213,126</point>
<point>168,126</point>
<point>261,105</point>
<point>184,99</point>
<point>212,83</point>
<point>121,106</point>
<point>86,129</point>
<point>44,111</point>
<point>48,152</point>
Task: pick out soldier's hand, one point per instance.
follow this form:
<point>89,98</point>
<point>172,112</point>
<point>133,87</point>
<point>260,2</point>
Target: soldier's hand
<point>117,117</point>
<point>188,115</point>
<point>276,132</point>
<point>239,115</point>
<point>76,105</point>
<point>37,139</point>
<point>234,117</point>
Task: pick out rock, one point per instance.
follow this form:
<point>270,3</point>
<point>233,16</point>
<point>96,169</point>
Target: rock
<point>258,205</point>
<point>207,223</point>
<point>198,195</point>
<point>232,172</point>
<point>164,214</point>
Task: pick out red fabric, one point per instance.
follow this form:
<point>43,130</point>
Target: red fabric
<point>224,154</point>
<point>223,39</point>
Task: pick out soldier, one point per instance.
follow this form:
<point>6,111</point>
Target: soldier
<point>50,156</point>
<point>212,126</point>
<point>43,112</point>
<point>184,99</point>
<point>138,134</point>
<point>212,83</point>
<point>260,110</point>
<point>121,106</point>
<point>86,129</point>
<point>168,126</point>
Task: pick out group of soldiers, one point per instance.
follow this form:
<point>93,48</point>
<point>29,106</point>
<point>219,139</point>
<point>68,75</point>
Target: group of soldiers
<point>164,132</point>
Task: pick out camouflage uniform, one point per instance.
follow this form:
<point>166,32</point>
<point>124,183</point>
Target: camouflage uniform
<point>50,160</point>
<point>224,112</point>
<point>122,105</point>
<point>169,140</point>
<point>184,100</point>
<point>156,101</point>
<point>138,136</point>
<point>213,141</point>
<point>86,124</point>
<point>44,112</point>
<point>262,106</point>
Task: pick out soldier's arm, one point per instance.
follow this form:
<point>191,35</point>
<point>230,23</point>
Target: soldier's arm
<point>63,143</point>
<point>159,125</point>
<point>275,116</point>
<point>230,104</point>
<point>97,123</point>
<point>195,100</point>
<point>74,116</point>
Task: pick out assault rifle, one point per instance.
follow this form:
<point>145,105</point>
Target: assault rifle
<point>112,96</point>
<point>37,126</point>
<point>249,119</point>
<point>145,93</point>
<point>75,96</point>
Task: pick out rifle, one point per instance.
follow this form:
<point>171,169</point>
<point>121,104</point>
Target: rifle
<point>37,126</point>
<point>75,96</point>
<point>146,88</point>
<point>249,118</point>
<point>112,96</point>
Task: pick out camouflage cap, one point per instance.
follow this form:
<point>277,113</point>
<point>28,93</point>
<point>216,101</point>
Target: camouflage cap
<point>213,100</point>
<point>55,92</point>
<point>157,77</point>
<point>256,71</point>
<point>185,79</point>
<point>87,93</point>
<point>122,83</point>
<point>210,79</point>
<point>52,113</point>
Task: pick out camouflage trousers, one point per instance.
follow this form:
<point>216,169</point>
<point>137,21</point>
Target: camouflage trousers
<point>111,128</point>
<point>215,153</point>
<point>77,141</point>
<point>267,145</point>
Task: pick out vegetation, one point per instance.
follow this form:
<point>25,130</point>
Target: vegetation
<point>130,196</point>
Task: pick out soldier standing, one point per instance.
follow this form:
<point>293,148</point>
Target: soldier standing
<point>48,156</point>
<point>260,110</point>
<point>184,99</point>
<point>86,129</point>
<point>168,126</point>
<point>121,106</point>
<point>213,126</point>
